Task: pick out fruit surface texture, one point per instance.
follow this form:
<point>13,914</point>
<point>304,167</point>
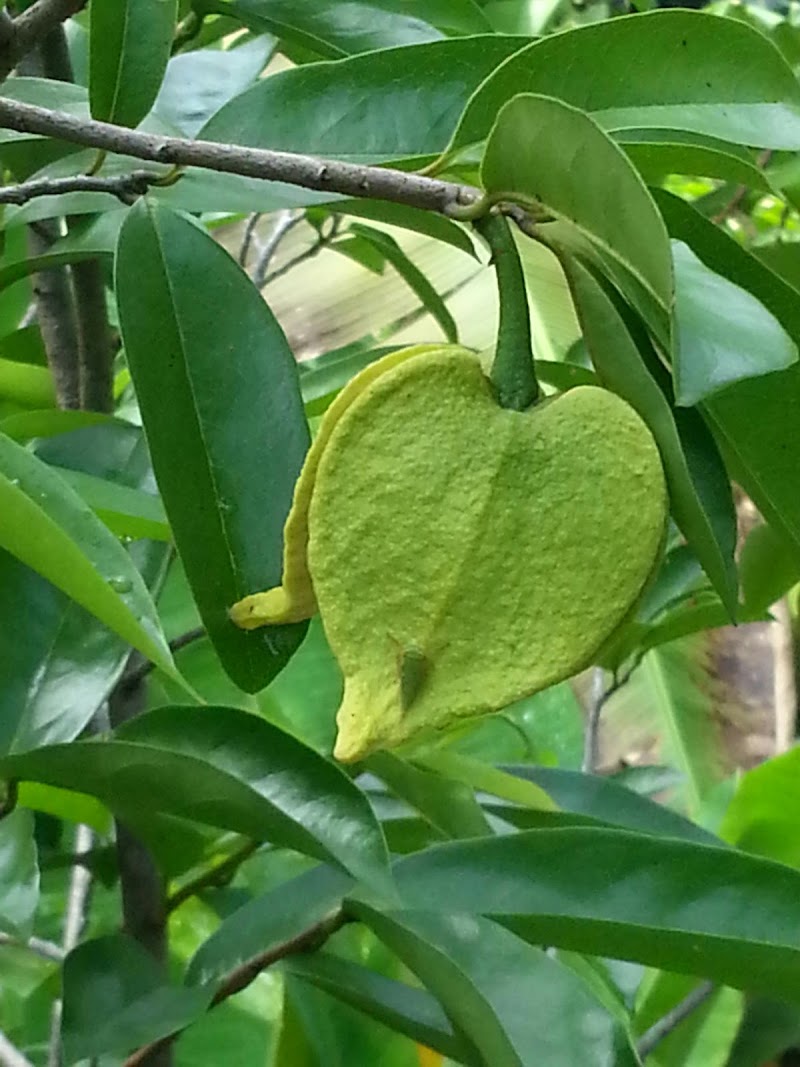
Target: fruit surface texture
<point>463,555</point>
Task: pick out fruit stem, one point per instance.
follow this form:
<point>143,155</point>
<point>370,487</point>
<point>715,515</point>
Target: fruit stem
<point>513,373</point>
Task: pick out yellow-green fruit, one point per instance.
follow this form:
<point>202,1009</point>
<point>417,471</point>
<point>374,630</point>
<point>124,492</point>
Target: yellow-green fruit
<point>464,555</point>
<point>294,599</point>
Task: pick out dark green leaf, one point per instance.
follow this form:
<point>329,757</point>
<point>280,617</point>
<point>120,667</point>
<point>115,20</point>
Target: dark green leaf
<point>409,218</point>
<point>403,1008</point>
<point>116,999</point>
<point>130,41</point>
<point>549,156</point>
<point>412,276</point>
<point>47,526</point>
<point>449,806</point>
<point>666,903</point>
<point>226,768</point>
<point>679,76</point>
<point>514,1004</point>
<point>768,1028</point>
<point>270,919</point>
<point>604,799</point>
<point>657,153</point>
<point>224,421</point>
<point>700,499</point>
<point>19,874</point>
<point>392,104</point>
<point>724,334</point>
<point>756,447</point>
<point>58,662</point>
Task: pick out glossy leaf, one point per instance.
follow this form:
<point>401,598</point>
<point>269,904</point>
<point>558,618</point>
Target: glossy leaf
<point>553,158</point>
<point>58,662</point>
<point>755,448</point>
<point>405,1009</point>
<point>19,874</point>
<point>449,806</point>
<point>130,42</point>
<point>658,901</point>
<point>225,768</point>
<point>517,1006</point>
<point>48,527</point>
<point>724,334</point>
<point>412,276</point>
<point>702,505</point>
<point>680,76</point>
<point>393,104</point>
<point>266,922</point>
<point>127,512</point>
<point>116,999</point>
<point>227,435</point>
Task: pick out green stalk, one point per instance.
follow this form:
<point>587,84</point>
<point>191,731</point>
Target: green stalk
<point>513,373</point>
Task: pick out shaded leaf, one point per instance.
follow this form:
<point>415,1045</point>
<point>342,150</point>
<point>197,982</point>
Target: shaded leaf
<point>19,874</point>
<point>227,436</point>
<point>657,153</point>
<point>116,999</point>
<point>129,47</point>
<point>225,768</point>
<point>769,566</point>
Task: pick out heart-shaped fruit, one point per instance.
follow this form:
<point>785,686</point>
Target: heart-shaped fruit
<point>464,555</point>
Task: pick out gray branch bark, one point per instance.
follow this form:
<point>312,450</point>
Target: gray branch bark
<point>309,172</point>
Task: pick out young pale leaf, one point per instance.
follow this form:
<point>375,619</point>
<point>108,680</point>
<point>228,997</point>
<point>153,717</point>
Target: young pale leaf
<point>654,900</point>
<point>19,874</point>
<point>129,45</point>
<point>554,159</point>
<point>755,447</point>
<point>226,768</point>
<point>220,399</point>
<point>702,506</point>
<point>724,334</point>
<point>138,1004</point>
<point>679,76</point>
<point>759,818</point>
<point>515,1005</point>
<point>47,526</point>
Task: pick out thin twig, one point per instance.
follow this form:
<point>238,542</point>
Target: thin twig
<point>285,221</point>
<point>48,950</point>
<point>248,236</point>
<point>10,1055</point>
<point>660,1030</point>
<point>215,876</point>
<point>140,670</point>
<point>241,977</point>
<point>126,187</point>
<point>309,172</point>
<point>31,27</point>
<point>599,698</point>
<point>80,884</point>
<point>324,238</point>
